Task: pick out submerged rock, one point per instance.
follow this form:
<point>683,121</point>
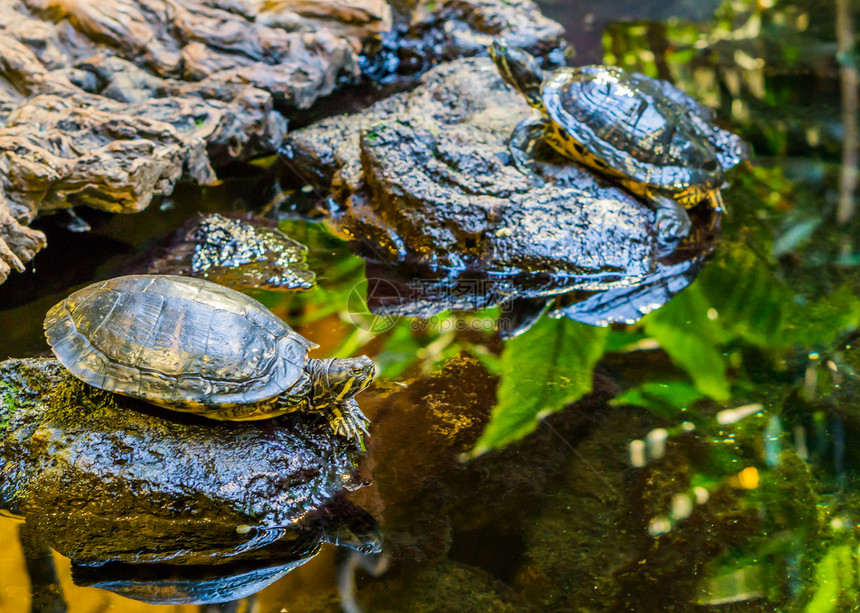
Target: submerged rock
<point>426,178</point>
<point>105,478</point>
<point>240,252</point>
<point>412,291</point>
<point>423,183</point>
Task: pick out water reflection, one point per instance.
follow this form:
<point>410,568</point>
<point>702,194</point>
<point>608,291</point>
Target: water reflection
<point>233,573</point>
<point>397,291</point>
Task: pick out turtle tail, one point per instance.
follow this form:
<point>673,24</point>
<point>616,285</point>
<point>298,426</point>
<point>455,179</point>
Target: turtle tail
<point>520,69</point>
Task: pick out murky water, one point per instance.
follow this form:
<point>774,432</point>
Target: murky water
<point>699,459</point>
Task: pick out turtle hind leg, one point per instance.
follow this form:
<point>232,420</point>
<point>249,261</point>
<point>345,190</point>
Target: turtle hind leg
<point>672,223</point>
<point>526,136</point>
<point>346,419</point>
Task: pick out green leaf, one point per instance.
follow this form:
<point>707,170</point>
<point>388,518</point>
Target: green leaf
<point>835,581</point>
<point>399,350</point>
<point>746,296</point>
<point>663,399</point>
<point>620,341</point>
<point>692,339</point>
<point>542,371</point>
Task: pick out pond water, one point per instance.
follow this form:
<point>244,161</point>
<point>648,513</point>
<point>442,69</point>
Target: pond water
<point>699,459</point>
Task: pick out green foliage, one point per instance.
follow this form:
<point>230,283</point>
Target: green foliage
<point>542,371</point>
<point>399,350</point>
<point>7,403</point>
<point>749,302</point>
<point>818,324</point>
<point>836,585</point>
<point>339,273</point>
<point>687,333</point>
<point>667,400</point>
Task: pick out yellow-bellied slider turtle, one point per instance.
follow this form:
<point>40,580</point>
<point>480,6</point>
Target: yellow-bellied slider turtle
<point>644,133</point>
<point>191,345</point>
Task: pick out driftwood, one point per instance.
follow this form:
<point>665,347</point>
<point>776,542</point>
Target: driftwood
<point>108,104</point>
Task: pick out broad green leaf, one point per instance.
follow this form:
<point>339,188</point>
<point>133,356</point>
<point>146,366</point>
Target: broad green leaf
<point>662,399</point>
<point>542,371</point>
<point>399,350</point>
<point>746,297</point>
<point>620,341</point>
<point>692,339</point>
<point>835,581</point>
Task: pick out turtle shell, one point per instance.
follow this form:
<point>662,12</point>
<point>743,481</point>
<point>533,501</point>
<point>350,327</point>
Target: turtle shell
<point>178,342</point>
<point>635,126</point>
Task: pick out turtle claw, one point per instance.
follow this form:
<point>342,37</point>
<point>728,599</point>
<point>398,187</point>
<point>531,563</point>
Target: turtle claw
<point>348,421</point>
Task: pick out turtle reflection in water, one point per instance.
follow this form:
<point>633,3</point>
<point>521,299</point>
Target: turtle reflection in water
<point>191,345</point>
<point>643,133</point>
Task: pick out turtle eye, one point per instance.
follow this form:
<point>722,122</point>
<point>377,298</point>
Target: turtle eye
<point>357,371</point>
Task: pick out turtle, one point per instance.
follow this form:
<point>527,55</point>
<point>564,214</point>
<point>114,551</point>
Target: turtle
<point>643,133</point>
<point>191,345</point>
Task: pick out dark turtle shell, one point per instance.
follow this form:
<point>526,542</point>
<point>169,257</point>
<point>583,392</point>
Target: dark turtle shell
<point>639,127</point>
<point>178,342</point>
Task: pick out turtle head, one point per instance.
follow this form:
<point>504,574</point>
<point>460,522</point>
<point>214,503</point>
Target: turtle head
<point>341,379</point>
<point>520,69</point>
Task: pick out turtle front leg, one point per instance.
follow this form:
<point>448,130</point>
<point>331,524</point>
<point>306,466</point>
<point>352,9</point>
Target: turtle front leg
<point>346,419</point>
<point>672,222</point>
<point>524,139</point>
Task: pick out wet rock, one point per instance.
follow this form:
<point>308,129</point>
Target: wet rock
<point>671,275</point>
<point>105,478</point>
<point>246,251</point>
<point>447,587</point>
<point>426,178</point>
<point>432,32</point>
